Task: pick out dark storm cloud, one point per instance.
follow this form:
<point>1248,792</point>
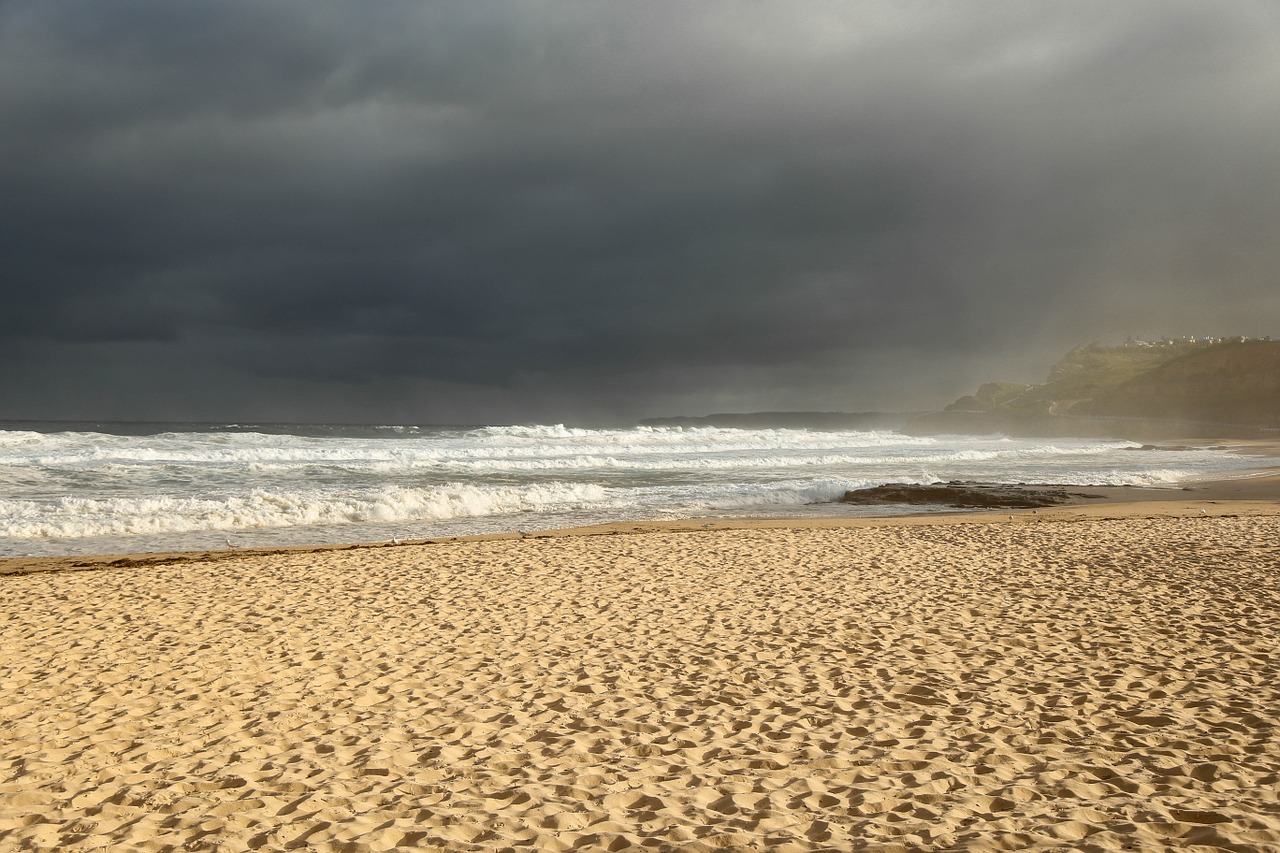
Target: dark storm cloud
<point>540,210</point>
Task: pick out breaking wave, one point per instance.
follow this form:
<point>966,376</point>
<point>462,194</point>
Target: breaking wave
<point>71,517</point>
<point>75,491</point>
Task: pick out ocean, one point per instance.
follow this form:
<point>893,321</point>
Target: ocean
<point>69,489</point>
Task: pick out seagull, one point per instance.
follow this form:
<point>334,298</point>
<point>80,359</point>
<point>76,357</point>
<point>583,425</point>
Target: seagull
<point>230,544</point>
<point>395,541</point>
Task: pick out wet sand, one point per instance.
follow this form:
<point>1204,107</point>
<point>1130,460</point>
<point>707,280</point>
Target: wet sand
<point>1084,677</point>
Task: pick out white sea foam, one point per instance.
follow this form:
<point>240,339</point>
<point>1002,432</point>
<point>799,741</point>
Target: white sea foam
<point>70,489</point>
<point>506,443</point>
<point>21,439</point>
<point>71,517</point>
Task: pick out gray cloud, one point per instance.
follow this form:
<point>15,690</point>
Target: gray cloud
<point>489,212</point>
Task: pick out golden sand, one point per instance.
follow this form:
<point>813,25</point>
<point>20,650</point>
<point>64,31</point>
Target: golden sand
<point>1055,681</point>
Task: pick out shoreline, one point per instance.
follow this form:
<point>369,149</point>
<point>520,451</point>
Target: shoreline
<point>1252,492</point>
<point>1099,676</point>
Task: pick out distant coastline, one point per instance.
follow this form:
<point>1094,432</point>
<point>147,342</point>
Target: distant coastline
<point>1143,390</point>
<point>1191,388</point>
<point>790,420</point>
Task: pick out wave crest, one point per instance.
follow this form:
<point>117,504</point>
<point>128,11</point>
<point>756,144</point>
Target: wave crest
<point>72,517</point>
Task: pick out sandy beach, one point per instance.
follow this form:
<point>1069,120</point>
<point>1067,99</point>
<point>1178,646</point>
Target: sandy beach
<point>711,426</point>
<point>1093,678</point>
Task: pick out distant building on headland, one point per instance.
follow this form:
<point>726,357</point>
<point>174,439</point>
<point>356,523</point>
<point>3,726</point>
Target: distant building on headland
<point>1192,339</point>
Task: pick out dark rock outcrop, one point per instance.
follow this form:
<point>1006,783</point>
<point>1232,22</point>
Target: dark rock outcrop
<point>964,495</point>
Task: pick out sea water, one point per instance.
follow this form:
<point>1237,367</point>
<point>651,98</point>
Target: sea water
<point>115,488</point>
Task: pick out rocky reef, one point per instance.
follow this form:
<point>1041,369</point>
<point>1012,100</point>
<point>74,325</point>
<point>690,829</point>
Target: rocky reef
<point>964,495</point>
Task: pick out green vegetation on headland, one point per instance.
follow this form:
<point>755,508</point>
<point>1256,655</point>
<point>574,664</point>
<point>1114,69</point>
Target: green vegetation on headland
<point>1141,390</point>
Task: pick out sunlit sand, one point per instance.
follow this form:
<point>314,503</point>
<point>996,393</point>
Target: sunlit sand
<point>1064,679</point>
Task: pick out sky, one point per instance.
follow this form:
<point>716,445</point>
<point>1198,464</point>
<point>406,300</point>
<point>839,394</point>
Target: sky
<point>489,212</point>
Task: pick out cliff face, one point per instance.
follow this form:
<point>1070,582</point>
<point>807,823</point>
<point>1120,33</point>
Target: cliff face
<point>1135,391</point>
<point>1232,383</point>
